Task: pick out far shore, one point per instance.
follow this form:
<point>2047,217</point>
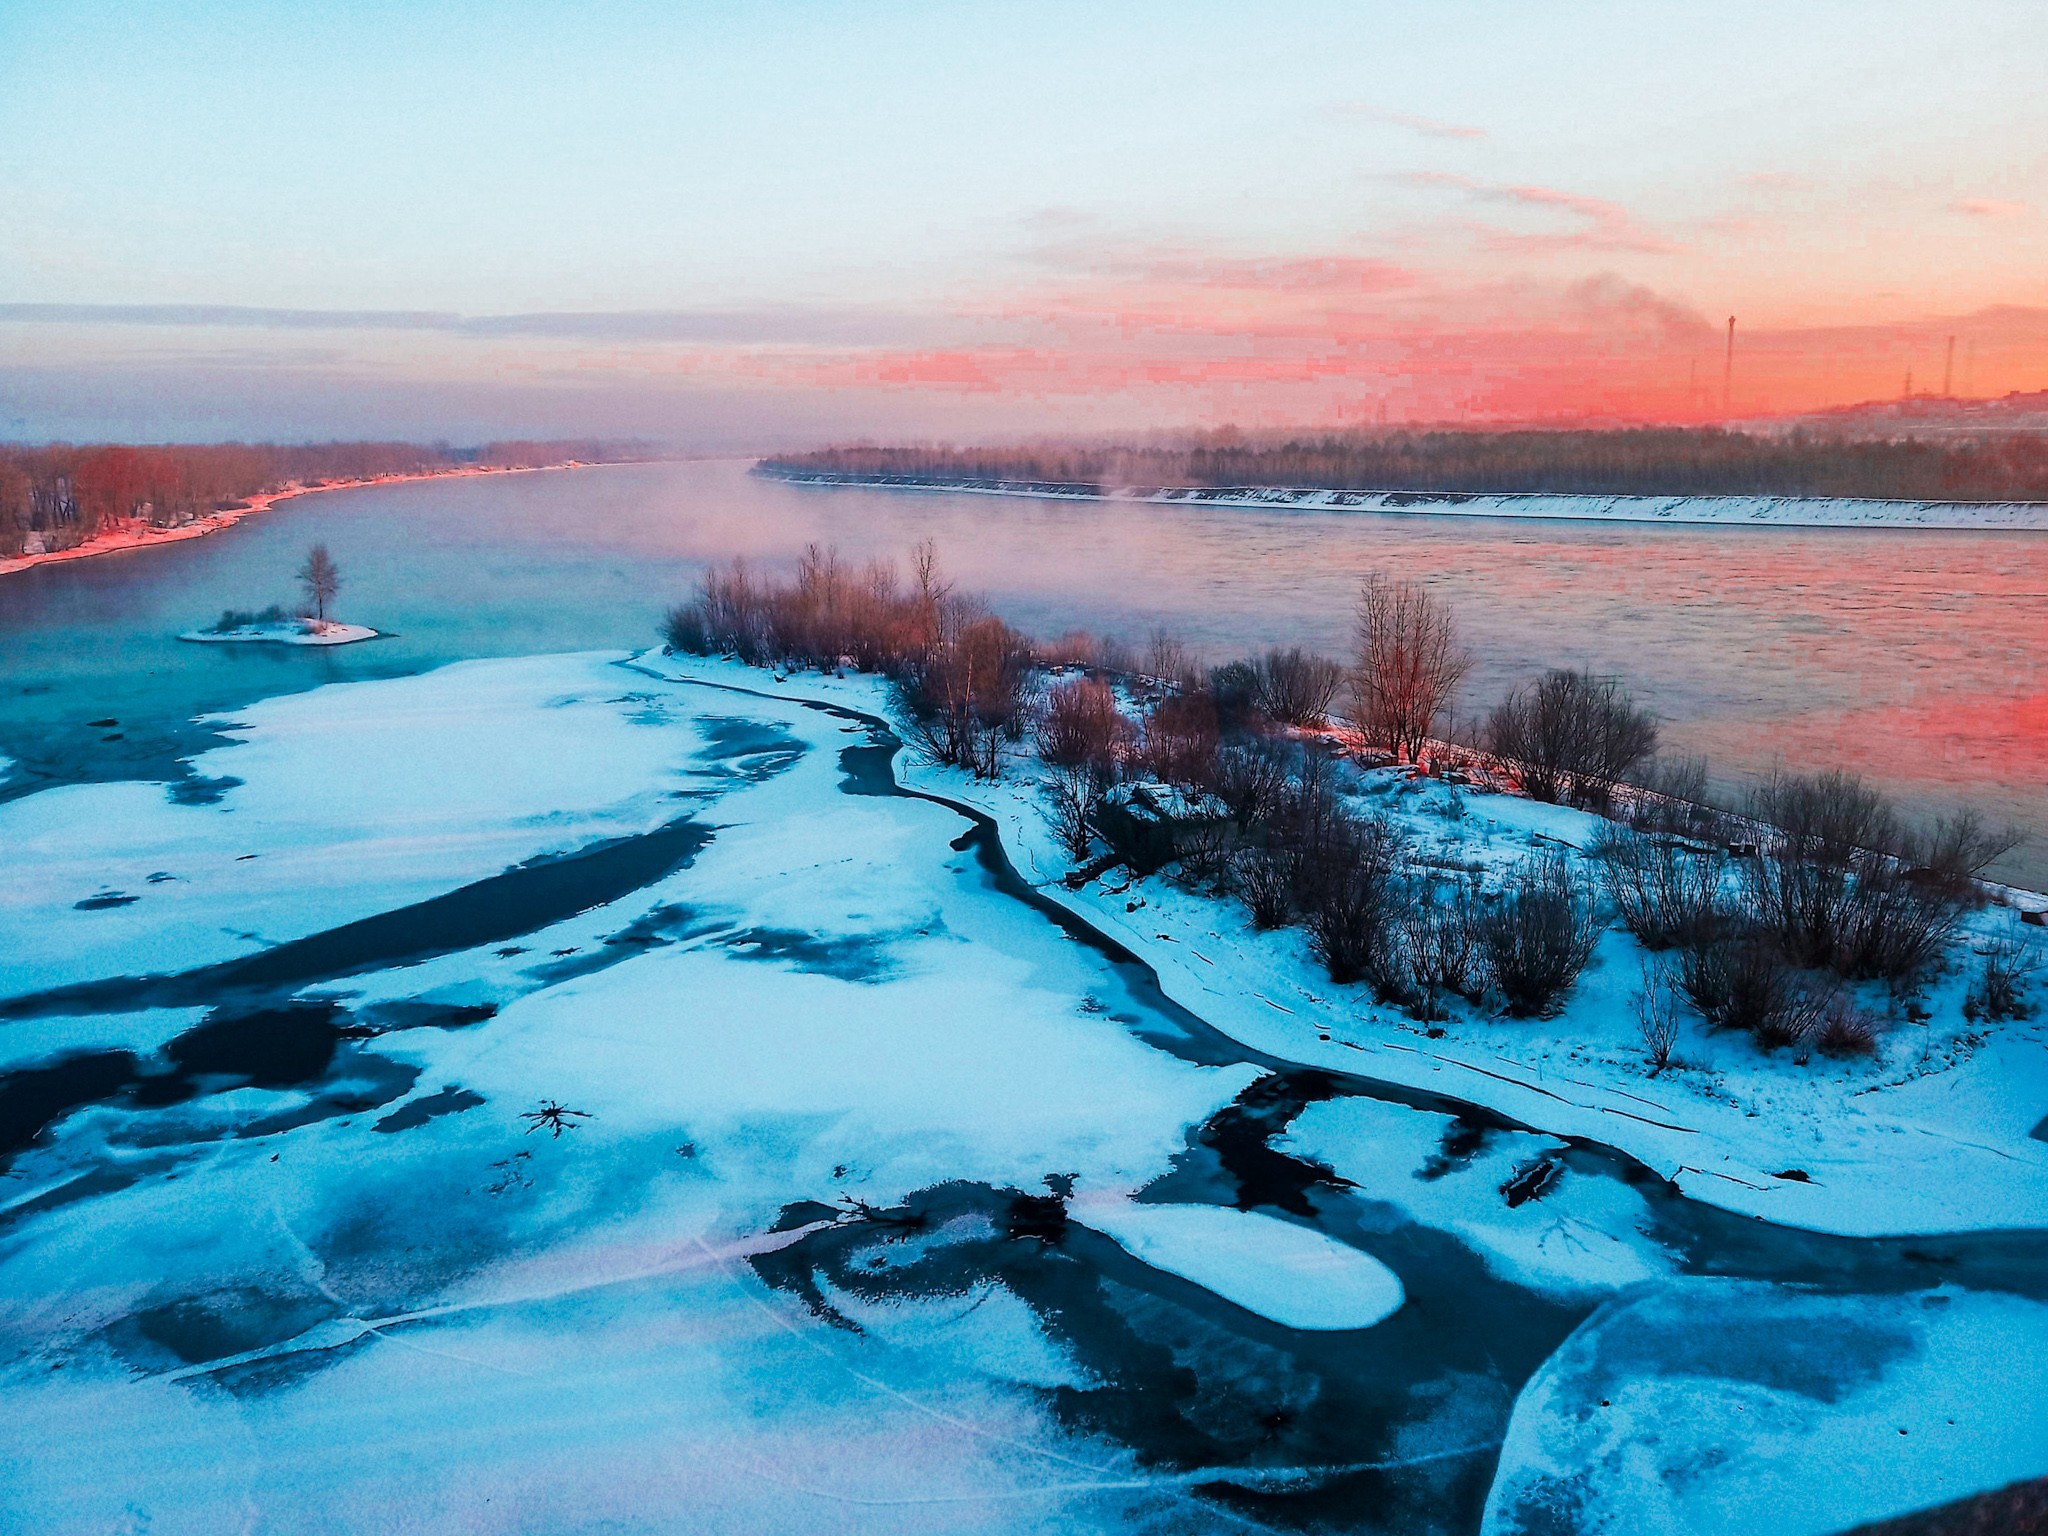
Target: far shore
<point>1726,511</point>
<point>141,536</point>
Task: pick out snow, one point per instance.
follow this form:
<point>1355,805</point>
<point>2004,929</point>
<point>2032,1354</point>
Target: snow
<point>208,1321</point>
<point>283,632</point>
<point>1935,1136</point>
<point>1584,1234</point>
<point>335,804</point>
<point>207,1324</point>
<point>1729,1406</point>
<point>1748,511</point>
<point>1288,1274</point>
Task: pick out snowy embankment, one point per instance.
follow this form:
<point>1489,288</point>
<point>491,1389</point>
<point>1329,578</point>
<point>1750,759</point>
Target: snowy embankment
<point>1743,511</point>
<point>1934,1136</point>
<point>283,632</point>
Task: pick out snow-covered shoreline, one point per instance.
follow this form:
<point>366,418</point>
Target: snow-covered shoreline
<point>129,537</point>
<point>1935,1141</point>
<point>1720,511</point>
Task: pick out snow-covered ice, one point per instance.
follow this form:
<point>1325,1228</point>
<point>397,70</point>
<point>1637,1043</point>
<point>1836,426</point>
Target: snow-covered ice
<point>1722,1406</point>
<point>1581,1234</point>
<point>290,1240</point>
<point>1291,1274</point>
<point>332,805</point>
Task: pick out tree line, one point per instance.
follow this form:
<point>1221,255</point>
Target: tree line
<point>63,494</point>
<point>1651,461</point>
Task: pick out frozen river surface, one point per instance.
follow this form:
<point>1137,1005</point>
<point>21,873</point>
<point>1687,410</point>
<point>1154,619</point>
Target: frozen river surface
<point>538,1095</point>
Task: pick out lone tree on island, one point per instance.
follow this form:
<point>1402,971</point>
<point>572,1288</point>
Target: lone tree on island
<point>321,578</point>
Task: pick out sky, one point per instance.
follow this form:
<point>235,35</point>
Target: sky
<point>760,224</point>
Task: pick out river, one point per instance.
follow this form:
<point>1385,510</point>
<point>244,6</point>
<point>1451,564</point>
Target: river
<point>1915,657</point>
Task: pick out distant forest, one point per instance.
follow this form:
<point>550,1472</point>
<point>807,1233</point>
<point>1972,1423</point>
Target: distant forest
<point>63,494</point>
<point>1636,462</point>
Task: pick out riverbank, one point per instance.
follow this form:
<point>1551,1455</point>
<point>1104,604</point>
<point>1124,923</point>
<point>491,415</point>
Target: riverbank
<point>134,536</point>
<point>1935,1135</point>
<point>1721,511</point>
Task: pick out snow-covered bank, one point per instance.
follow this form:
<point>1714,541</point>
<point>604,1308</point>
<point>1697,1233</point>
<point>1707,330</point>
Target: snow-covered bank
<point>283,632</point>
<point>1935,1136</point>
<point>1743,511</point>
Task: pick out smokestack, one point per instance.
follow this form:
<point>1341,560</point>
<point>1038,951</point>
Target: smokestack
<point>1948,370</point>
<point>1728,372</point>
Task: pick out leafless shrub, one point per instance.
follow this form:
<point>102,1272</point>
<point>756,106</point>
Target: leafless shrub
<point>965,688</point>
<point>1181,737</point>
<point>1665,891</point>
<point>2000,990</point>
<point>1348,888</point>
<point>1955,851</point>
<point>1252,780</point>
<point>1113,655</point>
<point>1295,686</point>
<point>1656,1019</point>
<point>1571,737</point>
<point>1741,980</point>
<point>1071,792</point>
<point>1082,727</point>
<point>1169,661</point>
<point>1409,664</point>
<point>1895,928</point>
<point>1265,879</point>
<point>1672,799</point>
<point>1845,1030</point>
<point>683,629</point>
<point>1821,832</point>
<point>1235,688</point>
<point>1433,949</point>
<point>1540,935</point>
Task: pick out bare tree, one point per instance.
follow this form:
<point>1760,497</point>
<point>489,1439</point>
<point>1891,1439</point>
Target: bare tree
<point>321,578</point>
<point>1656,1020</point>
<point>1168,660</point>
<point>1409,664</point>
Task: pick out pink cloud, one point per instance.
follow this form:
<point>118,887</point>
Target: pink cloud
<point>1428,127</point>
<point>1603,225</point>
<point>1988,207</point>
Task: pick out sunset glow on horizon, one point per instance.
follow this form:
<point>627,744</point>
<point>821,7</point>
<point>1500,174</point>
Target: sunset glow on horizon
<point>739,227</point>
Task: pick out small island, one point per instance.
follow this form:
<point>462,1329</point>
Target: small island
<point>321,579</point>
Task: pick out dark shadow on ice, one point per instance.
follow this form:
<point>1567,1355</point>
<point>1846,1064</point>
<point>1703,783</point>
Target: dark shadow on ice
<point>1303,1429</point>
<point>529,896</point>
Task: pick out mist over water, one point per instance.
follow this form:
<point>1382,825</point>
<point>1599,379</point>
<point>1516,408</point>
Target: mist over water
<point>1914,657</point>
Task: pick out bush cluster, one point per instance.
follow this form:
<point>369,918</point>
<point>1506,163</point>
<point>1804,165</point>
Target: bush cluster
<point>1767,919</point>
